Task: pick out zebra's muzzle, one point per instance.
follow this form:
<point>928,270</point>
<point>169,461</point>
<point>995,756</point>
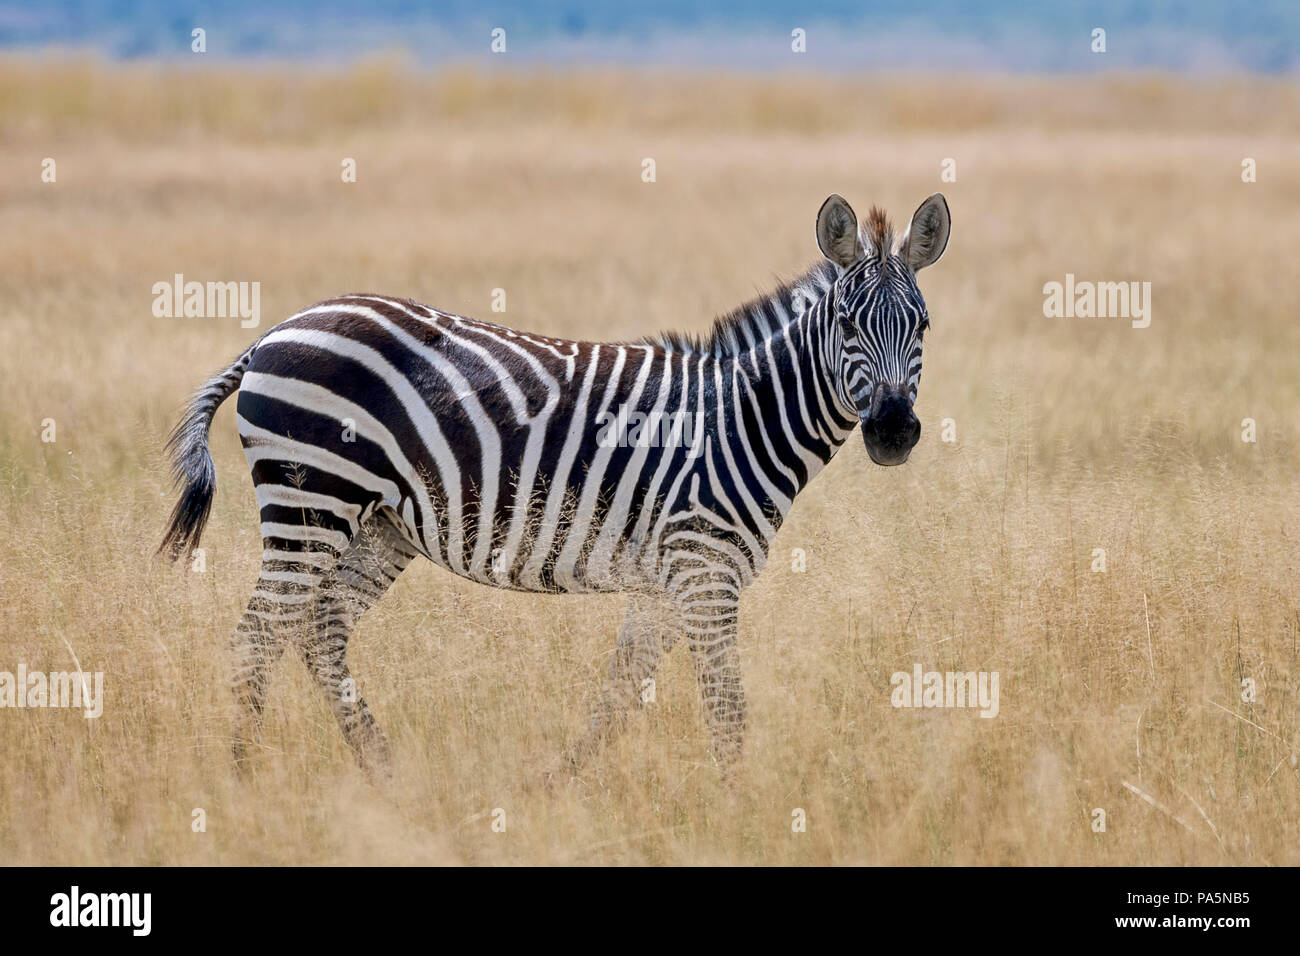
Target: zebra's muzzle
<point>890,428</point>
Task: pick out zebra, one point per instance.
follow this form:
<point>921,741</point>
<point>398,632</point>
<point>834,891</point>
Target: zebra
<point>378,429</point>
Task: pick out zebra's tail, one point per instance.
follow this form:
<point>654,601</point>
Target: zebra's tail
<point>192,468</point>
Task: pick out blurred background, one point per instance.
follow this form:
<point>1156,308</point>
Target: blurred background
<point>1170,158</point>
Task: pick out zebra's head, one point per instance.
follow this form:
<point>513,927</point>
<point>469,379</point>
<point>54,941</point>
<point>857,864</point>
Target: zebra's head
<point>881,316</point>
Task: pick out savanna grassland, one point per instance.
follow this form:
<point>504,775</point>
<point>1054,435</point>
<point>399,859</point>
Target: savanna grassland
<point>1071,435</point>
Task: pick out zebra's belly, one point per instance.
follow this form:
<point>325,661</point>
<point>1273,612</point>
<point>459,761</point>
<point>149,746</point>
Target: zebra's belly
<point>565,558</point>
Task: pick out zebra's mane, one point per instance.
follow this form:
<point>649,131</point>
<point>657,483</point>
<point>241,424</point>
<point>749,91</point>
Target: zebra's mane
<point>754,321</point>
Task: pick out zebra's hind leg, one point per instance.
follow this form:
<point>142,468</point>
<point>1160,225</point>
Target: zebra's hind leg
<point>377,554</point>
<point>280,608</point>
<point>649,630</point>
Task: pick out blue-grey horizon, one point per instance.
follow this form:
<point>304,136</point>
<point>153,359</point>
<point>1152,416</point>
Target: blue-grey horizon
<point>1195,36</point>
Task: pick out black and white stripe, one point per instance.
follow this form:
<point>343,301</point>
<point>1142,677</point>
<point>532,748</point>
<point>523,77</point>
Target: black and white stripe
<point>377,429</point>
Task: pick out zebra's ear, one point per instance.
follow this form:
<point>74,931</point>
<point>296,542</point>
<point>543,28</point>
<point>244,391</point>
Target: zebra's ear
<point>927,235</point>
<point>837,232</point>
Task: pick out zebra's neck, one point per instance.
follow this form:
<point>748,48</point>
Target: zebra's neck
<point>784,396</point>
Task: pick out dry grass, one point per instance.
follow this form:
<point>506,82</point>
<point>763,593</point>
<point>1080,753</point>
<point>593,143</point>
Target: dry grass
<point>1072,435</point>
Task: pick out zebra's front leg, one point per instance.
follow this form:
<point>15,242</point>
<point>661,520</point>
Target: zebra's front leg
<point>649,630</point>
<point>711,625</point>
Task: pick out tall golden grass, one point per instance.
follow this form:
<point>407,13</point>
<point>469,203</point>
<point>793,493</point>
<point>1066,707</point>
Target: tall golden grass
<point>1072,435</point>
